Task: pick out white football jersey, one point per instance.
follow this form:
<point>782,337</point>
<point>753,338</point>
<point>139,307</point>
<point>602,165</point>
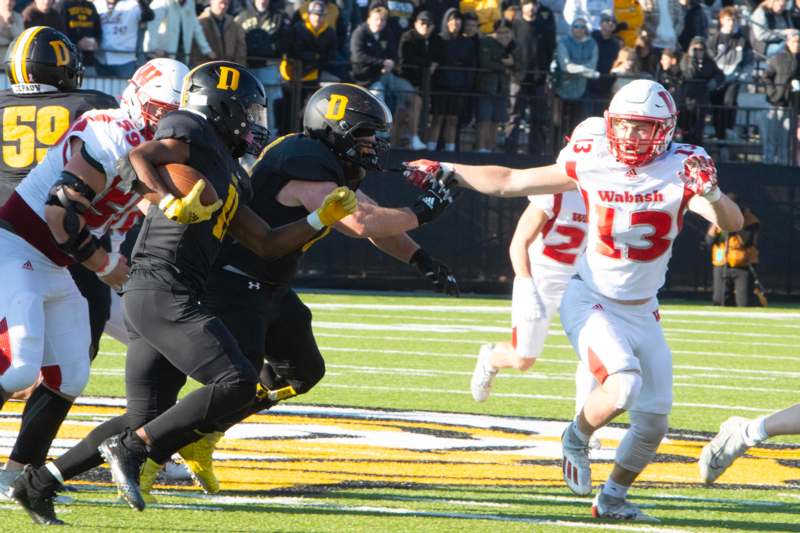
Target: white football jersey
<point>107,134</point>
<point>563,237</point>
<point>634,214</point>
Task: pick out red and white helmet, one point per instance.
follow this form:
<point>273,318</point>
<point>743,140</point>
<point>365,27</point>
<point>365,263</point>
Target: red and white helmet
<point>642,101</point>
<point>153,91</point>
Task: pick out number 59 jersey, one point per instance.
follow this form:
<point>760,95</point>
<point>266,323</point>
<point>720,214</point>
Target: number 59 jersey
<point>634,213</point>
<point>32,123</point>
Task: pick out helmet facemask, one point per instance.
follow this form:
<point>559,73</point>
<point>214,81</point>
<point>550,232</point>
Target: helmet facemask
<point>636,140</point>
<point>258,129</point>
<point>365,144</point>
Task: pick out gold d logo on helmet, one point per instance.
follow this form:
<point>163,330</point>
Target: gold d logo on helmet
<point>337,105</point>
<point>228,79</point>
<point>61,51</point>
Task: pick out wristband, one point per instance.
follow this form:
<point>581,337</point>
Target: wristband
<point>314,221</point>
<point>112,260</point>
<point>714,195</point>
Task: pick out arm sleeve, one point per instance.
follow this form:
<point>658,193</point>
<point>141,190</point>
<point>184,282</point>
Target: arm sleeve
<point>545,202</point>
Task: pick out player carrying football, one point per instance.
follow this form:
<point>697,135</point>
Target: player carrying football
<point>636,184</point>
<point>253,296</point>
<point>221,116</point>
<point>53,219</point>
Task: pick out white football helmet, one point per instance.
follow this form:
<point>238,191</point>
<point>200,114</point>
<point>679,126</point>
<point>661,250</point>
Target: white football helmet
<point>154,91</point>
<point>641,101</point>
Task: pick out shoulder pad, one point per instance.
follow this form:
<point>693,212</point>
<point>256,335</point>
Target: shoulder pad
<point>307,159</point>
<point>184,126</point>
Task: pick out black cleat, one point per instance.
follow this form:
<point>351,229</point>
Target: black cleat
<point>39,506</point>
<point>125,469</point>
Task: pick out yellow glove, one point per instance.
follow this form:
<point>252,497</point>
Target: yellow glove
<point>339,203</point>
<point>188,210</point>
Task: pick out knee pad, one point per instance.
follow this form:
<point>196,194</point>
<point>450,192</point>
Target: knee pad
<point>74,377</point>
<point>17,378</point>
<point>638,447</point>
<point>629,384</point>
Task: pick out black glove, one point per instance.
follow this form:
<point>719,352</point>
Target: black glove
<point>432,203</point>
<point>438,273</point>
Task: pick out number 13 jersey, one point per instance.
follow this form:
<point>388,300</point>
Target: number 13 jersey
<point>634,214</point>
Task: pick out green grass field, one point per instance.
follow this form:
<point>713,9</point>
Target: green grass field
<point>391,439</point>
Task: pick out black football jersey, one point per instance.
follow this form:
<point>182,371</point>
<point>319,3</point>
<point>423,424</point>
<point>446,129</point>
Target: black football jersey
<point>186,252</point>
<point>31,123</point>
<point>292,157</point>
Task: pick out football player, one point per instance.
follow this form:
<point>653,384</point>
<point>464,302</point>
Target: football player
<point>54,219</point>
<point>549,237</point>
<point>221,116</point>
<point>637,185</point>
<point>738,434</point>
<point>340,143</point>
<point>45,71</point>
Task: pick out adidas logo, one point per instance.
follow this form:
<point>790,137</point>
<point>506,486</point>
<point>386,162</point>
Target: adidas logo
<point>27,265</point>
<point>597,307</point>
<point>429,202</point>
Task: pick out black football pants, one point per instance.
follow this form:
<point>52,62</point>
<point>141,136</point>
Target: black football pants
<point>172,337</point>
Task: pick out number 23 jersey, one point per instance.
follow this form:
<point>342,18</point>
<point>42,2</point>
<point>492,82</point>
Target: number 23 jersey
<point>32,123</point>
<point>634,214</point>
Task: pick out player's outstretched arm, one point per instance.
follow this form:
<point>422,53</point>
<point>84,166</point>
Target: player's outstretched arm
<point>253,232</point>
<point>490,179</point>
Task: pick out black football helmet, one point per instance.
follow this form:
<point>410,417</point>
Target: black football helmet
<point>44,56</point>
<point>233,100</point>
<point>341,115</point>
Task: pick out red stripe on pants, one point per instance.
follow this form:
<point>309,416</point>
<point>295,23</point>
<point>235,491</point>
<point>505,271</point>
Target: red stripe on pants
<point>597,367</point>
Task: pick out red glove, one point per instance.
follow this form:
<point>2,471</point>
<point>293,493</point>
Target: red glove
<point>700,176</point>
<point>422,172</point>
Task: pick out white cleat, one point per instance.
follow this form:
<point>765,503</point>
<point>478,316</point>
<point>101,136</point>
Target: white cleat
<point>483,376</point>
<point>7,477</point>
<point>723,449</point>
<point>575,463</point>
<point>612,508</point>
<point>176,471</point>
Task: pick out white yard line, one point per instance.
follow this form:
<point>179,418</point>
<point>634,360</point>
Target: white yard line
<point>506,309</point>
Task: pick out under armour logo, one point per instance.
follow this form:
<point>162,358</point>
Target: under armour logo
<point>253,285</point>
<point>27,265</point>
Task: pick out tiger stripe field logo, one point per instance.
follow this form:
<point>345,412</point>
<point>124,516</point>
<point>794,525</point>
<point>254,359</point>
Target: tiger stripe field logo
<point>295,446</point>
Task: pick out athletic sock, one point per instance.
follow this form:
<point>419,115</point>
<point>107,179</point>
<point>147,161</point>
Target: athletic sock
<point>44,413</point>
<point>584,438</point>
<point>756,432</point>
<point>612,488</point>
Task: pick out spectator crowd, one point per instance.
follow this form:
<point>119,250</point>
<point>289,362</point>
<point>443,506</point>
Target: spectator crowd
<point>507,70</point>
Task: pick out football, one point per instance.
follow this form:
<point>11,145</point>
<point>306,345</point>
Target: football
<point>181,178</point>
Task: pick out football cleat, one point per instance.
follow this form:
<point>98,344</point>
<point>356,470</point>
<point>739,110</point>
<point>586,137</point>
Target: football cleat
<point>39,506</point>
<point>575,464</point>
<point>483,375</point>
<point>176,471</point>
<point>147,478</point>
<point>730,443</point>
<point>198,457</point>
<point>125,468</point>
<point>613,508</point>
